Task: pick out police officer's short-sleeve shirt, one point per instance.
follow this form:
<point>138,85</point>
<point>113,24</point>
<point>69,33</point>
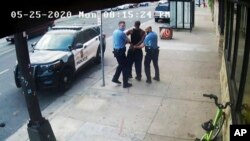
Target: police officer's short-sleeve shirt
<point>150,40</point>
<point>119,39</point>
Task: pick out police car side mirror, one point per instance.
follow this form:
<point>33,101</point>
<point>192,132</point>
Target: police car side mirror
<point>78,45</point>
<point>70,48</point>
<point>33,44</point>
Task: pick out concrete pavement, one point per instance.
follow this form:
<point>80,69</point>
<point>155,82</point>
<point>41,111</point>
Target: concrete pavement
<point>170,110</point>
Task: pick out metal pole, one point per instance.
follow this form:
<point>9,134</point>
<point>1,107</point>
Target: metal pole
<point>102,51</point>
<point>39,128</point>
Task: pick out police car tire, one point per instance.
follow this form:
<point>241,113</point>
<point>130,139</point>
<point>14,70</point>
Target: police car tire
<point>12,41</point>
<point>65,79</point>
<point>156,19</point>
<point>17,81</point>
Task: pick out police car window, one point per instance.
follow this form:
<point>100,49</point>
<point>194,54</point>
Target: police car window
<point>162,8</point>
<point>97,30</point>
<point>55,42</point>
<point>89,34</point>
<point>80,38</point>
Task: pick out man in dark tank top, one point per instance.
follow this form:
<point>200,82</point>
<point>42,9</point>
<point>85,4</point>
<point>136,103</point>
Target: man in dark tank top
<point>135,55</point>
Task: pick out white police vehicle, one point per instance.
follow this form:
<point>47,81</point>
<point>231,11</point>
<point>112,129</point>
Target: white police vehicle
<point>162,11</point>
<point>60,53</point>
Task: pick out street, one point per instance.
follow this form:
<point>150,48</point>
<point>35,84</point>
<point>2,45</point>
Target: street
<point>13,111</point>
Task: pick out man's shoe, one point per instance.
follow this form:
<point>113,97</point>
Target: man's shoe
<point>138,78</point>
<point>156,79</point>
<point>116,81</point>
<point>130,76</point>
<point>127,85</point>
<point>149,81</point>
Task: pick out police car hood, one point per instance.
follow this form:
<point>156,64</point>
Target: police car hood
<point>45,56</point>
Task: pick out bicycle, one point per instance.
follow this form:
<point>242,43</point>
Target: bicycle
<point>213,127</point>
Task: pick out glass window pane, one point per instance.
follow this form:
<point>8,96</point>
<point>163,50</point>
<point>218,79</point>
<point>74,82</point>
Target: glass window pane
<point>179,14</point>
<point>245,110</point>
<point>187,15</point>
<point>241,47</point>
<point>233,32</point>
<point>173,13</point>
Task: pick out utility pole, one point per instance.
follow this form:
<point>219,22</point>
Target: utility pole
<point>39,128</point>
<point>99,21</point>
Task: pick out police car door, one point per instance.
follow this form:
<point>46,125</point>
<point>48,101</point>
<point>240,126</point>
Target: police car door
<point>91,44</point>
<point>79,53</point>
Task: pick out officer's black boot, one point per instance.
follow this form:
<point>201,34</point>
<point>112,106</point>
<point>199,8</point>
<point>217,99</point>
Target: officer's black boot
<point>116,81</point>
<point>156,78</point>
<point>149,81</point>
<point>127,85</point>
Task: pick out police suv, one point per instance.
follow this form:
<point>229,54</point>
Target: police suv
<point>60,53</point>
<point>162,11</point>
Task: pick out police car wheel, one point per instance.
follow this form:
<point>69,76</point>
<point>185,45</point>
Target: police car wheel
<point>12,41</point>
<point>65,80</point>
<point>156,19</point>
<point>17,74</point>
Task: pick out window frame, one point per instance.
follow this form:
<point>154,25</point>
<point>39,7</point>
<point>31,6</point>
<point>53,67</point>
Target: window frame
<point>245,67</point>
<point>236,96</point>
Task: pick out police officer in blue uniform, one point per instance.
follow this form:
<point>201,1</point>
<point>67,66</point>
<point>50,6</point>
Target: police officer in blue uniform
<point>152,53</point>
<point>120,40</point>
<point>135,55</point>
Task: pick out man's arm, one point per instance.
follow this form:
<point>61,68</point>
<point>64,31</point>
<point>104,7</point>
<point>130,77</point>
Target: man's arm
<point>129,32</point>
<point>142,42</point>
<point>125,38</point>
<point>142,45</point>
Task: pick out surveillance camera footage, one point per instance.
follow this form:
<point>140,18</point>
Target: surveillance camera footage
<point>132,70</point>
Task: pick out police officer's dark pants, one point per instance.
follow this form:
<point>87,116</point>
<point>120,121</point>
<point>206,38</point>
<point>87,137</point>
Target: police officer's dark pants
<point>151,55</point>
<point>122,65</point>
<point>135,56</point>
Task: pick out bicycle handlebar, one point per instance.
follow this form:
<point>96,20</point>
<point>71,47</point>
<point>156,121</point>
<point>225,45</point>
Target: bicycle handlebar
<point>221,106</point>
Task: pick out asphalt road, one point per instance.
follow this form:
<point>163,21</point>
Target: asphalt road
<point>13,111</point>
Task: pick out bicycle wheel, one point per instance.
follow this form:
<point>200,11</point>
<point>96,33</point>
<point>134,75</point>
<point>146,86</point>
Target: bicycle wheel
<point>217,127</point>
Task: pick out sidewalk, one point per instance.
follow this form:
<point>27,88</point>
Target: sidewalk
<point>170,110</point>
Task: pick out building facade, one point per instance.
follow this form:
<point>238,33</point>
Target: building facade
<point>231,21</point>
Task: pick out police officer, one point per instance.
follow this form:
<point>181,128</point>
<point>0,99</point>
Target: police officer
<point>152,53</point>
<point>119,45</point>
<point>135,55</point>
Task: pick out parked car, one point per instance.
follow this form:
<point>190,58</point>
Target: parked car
<point>162,11</point>
<point>133,5</point>
<point>61,53</point>
<point>107,10</point>
<point>114,8</point>
<point>39,30</point>
<point>163,1</point>
<point>144,4</point>
<point>123,7</point>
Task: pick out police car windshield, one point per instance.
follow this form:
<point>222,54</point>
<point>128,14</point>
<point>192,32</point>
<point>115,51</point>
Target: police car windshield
<point>55,42</point>
<point>162,7</point>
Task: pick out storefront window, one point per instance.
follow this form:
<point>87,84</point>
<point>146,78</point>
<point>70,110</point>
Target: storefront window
<point>245,110</point>
<point>241,47</point>
<point>233,29</point>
